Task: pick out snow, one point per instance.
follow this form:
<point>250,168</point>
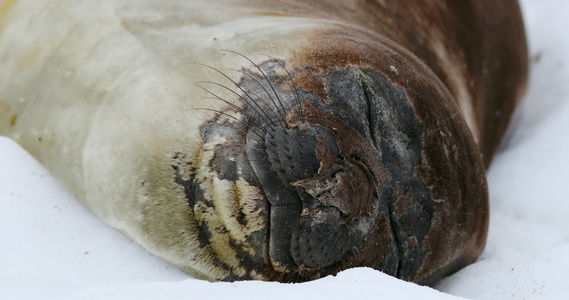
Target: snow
<point>54,248</point>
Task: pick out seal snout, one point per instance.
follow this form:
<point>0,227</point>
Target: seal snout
<point>322,203</point>
<point>317,166</point>
<point>338,212</point>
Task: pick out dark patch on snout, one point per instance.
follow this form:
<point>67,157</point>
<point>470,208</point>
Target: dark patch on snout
<point>381,112</point>
<point>344,177</point>
<point>314,223</point>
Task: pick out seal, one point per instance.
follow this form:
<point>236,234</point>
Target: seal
<point>279,140</point>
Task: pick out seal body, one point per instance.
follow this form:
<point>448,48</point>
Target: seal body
<point>275,140</point>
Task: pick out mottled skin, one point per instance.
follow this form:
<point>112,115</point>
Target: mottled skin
<point>362,140</point>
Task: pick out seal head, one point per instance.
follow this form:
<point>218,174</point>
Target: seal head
<point>323,181</point>
<point>363,142</point>
<point>353,169</point>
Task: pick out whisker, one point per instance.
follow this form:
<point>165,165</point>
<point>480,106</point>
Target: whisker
<point>266,78</point>
<point>242,132</point>
<point>224,75</point>
<point>432,113</point>
<point>290,277</point>
<point>267,119</point>
<point>258,150</point>
<point>238,109</point>
<point>294,88</point>
<point>248,94</point>
<point>439,122</point>
<point>281,185</point>
<point>259,84</point>
<point>243,145</point>
<point>226,114</point>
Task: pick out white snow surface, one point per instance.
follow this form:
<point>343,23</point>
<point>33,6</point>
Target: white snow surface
<point>54,248</point>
